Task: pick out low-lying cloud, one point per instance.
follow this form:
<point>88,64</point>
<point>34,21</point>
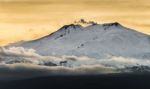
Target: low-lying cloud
<point>18,63</point>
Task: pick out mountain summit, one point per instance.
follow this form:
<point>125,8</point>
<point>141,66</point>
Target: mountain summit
<point>96,40</point>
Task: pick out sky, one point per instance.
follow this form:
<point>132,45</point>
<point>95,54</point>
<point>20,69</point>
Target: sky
<point>32,19</point>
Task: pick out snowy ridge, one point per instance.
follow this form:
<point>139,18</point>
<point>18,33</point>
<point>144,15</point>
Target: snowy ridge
<point>96,41</point>
<point>76,50</point>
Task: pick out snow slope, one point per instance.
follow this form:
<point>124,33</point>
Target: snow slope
<point>96,41</point>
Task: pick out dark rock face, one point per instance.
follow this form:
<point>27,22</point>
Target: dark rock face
<point>63,63</point>
<point>49,64</point>
<point>107,25</point>
<point>112,24</point>
<point>67,29</point>
<point>71,25</point>
<point>138,69</point>
<point>17,61</point>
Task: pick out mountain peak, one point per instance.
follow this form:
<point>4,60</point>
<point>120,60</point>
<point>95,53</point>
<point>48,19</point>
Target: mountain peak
<point>74,26</point>
<point>83,21</point>
<point>67,29</point>
<point>112,24</point>
<point>93,41</point>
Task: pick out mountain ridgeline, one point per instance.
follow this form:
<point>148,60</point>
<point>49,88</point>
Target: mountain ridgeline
<point>95,41</point>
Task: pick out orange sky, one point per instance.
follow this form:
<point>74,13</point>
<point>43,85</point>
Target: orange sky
<point>31,19</point>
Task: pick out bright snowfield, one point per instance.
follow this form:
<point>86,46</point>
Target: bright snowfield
<point>96,41</point>
<point>73,50</point>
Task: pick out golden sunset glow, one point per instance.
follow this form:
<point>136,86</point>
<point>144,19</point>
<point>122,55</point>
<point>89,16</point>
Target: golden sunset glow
<point>31,19</point>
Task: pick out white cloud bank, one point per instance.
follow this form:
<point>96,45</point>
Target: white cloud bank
<point>17,62</point>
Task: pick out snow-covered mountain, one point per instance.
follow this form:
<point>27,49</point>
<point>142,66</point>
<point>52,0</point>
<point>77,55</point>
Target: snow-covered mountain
<point>97,41</point>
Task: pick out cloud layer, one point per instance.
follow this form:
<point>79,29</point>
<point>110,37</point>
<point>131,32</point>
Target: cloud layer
<point>18,63</point>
